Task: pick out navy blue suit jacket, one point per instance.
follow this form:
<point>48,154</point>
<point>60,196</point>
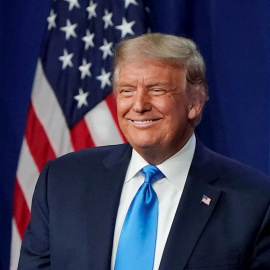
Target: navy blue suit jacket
<point>76,201</point>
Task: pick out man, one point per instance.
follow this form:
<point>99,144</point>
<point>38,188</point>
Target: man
<point>213,213</point>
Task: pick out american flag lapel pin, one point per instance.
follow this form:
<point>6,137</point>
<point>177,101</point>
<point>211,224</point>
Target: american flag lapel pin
<point>206,200</point>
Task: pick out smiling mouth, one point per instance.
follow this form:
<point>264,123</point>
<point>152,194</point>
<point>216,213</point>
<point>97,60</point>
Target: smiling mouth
<point>142,122</point>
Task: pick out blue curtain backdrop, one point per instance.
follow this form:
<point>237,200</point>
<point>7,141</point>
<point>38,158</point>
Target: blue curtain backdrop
<point>22,24</point>
<point>234,38</point>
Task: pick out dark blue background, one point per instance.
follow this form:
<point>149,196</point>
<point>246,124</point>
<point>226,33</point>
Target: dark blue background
<point>22,24</point>
<point>234,38</point>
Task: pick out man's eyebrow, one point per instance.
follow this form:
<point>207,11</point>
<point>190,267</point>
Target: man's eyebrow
<point>123,83</point>
<point>149,84</point>
<point>157,83</point>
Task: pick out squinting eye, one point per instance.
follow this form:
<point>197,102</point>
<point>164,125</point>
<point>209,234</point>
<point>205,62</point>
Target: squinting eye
<point>157,91</point>
<point>126,92</point>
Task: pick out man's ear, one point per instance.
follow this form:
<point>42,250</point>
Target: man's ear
<point>195,108</point>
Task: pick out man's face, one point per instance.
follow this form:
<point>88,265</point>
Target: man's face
<point>153,106</point>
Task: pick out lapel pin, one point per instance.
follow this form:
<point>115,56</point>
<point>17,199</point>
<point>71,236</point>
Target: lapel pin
<point>206,200</point>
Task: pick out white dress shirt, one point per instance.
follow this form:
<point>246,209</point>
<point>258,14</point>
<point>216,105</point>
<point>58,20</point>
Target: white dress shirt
<point>169,190</point>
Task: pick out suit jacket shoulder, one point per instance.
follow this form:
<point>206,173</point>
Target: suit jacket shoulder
<point>74,210</point>
<point>214,165</point>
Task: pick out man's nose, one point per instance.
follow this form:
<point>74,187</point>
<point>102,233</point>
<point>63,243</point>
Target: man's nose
<point>141,101</point>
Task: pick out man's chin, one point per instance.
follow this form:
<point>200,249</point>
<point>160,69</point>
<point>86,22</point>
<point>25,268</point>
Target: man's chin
<point>146,146</point>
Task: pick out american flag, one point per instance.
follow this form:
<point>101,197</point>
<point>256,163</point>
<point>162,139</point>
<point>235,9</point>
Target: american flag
<point>206,200</point>
<point>71,105</point>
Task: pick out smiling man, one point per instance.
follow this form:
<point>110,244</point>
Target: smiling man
<point>154,110</point>
<point>162,201</point>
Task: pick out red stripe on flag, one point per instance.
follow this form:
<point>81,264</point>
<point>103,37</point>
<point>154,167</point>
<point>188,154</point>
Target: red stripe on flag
<point>80,136</point>
<point>110,100</point>
<point>21,212</point>
<point>37,140</point>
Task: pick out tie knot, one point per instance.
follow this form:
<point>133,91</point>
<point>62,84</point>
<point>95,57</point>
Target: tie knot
<point>151,173</point>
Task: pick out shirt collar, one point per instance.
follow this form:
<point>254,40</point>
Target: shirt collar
<point>174,168</point>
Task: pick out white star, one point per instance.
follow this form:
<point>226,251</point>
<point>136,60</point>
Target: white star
<point>69,29</point>
<point>107,18</point>
<point>72,4</point>
<point>125,28</point>
<point>106,48</point>
<point>88,39</point>
<point>127,2</point>
<point>84,68</point>
<point>51,20</point>
<point>81,98</point>
<point>66,59</point>
<point>104,78</point>
<point>92,10</point>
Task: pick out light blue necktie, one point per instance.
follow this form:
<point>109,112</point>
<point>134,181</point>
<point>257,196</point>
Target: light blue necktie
<point>137,243</point>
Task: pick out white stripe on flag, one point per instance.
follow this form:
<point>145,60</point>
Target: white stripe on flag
<point>15,247</point>
<point>27,173</point>
<point>50,114</point>
<point>102,126</point>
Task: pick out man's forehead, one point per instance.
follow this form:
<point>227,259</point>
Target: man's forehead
<point>154,71</point>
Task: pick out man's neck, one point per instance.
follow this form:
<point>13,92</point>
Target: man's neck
<point>157,155</point>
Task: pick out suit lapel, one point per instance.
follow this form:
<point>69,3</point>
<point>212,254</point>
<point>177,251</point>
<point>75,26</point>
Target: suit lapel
<point>192,215</point>
<point>103,203</point>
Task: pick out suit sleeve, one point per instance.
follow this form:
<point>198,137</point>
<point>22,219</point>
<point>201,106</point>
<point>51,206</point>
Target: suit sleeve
<point>35,250</point>
<point>261,254</point>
